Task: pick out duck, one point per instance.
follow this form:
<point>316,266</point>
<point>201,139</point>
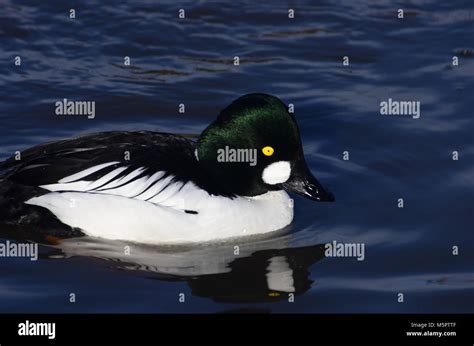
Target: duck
<point>231,181</point>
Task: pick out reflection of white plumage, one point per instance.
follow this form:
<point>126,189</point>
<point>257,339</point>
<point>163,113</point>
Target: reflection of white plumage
<point>280,275</point>
<point>264,269</point>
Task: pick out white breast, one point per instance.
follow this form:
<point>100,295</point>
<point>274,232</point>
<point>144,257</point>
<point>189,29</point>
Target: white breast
<point>151,209</point>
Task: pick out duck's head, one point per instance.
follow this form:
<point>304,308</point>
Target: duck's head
<point>258,131</point>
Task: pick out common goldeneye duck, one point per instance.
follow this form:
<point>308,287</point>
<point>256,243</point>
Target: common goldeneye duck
<point>160,188</point>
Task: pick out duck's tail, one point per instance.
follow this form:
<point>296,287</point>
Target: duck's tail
<point>18,219</point>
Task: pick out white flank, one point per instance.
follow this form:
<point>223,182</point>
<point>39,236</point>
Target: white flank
<point>130,219</point>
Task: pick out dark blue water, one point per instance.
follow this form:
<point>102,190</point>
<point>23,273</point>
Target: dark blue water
<point>407,250</point>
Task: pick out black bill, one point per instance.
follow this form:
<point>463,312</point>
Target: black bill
<point>305,184</point>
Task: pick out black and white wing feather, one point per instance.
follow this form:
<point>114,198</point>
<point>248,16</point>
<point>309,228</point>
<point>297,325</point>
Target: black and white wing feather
<point>155,167</point>
<point>104,158</point>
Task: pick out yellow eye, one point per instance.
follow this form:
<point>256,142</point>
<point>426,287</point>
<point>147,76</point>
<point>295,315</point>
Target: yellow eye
<point>268,151</point>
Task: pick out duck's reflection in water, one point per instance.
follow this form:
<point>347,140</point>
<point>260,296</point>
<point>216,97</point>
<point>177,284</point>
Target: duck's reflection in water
<point>259,271</point>
<point>266,275</point>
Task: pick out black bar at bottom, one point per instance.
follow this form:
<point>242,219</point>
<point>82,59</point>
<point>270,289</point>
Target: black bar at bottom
<point>240,328</point>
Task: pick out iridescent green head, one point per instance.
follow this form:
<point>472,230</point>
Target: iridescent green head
<point>254,146</point>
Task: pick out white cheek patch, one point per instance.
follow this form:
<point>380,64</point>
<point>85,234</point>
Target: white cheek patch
<point>276,173</point>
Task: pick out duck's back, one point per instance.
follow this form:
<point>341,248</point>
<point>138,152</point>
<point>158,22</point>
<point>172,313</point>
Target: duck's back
<point>51,162</point>
<point>92,163</point>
